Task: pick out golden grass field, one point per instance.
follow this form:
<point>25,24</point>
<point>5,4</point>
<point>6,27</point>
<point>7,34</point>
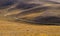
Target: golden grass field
<point>11,28</point>
<point>23,29</point>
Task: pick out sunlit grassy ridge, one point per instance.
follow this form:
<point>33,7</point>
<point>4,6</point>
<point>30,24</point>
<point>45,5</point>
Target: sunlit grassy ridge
<point>10,27</point>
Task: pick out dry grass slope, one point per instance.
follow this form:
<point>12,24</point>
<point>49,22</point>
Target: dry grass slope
<point>9,28</point>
